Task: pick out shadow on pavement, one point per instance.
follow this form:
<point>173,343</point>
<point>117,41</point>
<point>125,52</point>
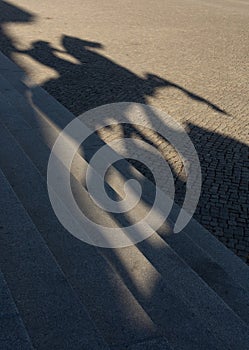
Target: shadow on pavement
<point>223,206</point>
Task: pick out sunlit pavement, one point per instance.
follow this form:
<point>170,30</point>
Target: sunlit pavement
<point>183,291</point>
<point>196,53</point>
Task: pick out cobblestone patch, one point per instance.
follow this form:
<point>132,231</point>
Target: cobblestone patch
<point>189,59</point>
<point>223,207</point>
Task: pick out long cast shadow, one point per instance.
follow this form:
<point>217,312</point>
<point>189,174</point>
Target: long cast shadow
<point>97,80</point>
<point>94,81</point>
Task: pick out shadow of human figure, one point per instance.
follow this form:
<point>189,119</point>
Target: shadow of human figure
<point>96,80</point>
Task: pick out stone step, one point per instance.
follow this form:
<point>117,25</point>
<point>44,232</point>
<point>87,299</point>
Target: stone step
<point>212,273</point>
<point>33,96</point>
<point>217,252</point>
<point>13,335</point>
<point>87,272</point>
<point>38,126</point>
<point>53,315</point>
<point>153,344</point>
<point>225,328</point>
<point>222,256</point>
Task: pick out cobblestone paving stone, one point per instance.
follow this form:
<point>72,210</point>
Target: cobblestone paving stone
<point>188,58</point>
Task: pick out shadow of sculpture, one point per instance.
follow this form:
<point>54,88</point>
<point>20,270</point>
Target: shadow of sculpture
<point>98,274</point>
